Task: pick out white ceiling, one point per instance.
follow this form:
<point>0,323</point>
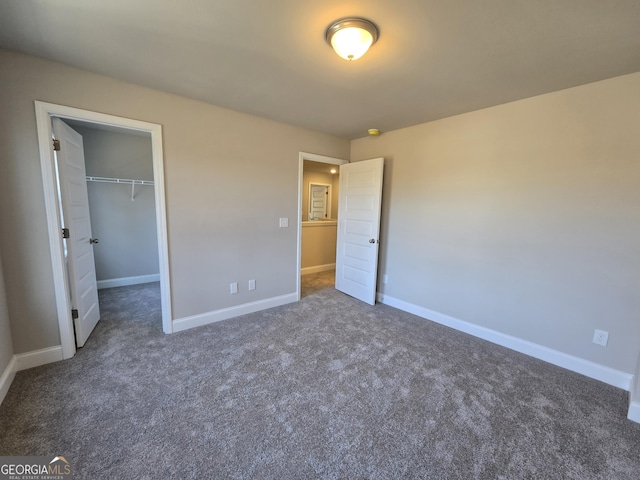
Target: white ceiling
<point>434,58</point>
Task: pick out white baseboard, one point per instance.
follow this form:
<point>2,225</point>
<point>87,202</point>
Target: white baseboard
<point>317,269</point>
<point>23,361</point>
<point>634,411</point>
<point>38,357</point>
<point>231,312</point>
<point>126,281</point>
<point>590,369</point>
<point>634,397</point>
<point>7,377</point>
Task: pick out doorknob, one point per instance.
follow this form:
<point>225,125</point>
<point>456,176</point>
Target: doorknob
<point>372,240</point>
<point>93,240</point>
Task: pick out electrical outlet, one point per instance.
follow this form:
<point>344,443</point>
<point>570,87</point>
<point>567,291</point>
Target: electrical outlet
<point>600,337</point>
<point>385,278</point>
<point>252,284</point>
<point>233,287</point>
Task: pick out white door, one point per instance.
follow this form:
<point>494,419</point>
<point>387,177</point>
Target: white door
<point>318,200</point>
<point>75,207</point>
<point>358,229</point>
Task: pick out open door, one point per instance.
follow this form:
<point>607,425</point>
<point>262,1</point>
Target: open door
<point>75,208</point>
<point>358,228</point>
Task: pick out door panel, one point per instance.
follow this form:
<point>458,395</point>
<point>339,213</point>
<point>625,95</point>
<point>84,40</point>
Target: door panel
<point>75,207</point>
<point>358,228</point>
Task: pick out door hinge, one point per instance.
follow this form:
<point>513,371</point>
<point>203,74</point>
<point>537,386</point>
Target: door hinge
<point>56,145</point>
<point>74,313</point>
<point>65,233</point>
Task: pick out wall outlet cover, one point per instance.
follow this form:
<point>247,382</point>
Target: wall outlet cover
<point>600,337</point>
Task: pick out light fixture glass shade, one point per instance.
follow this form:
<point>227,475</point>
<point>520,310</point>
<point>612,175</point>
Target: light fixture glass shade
<point>352,37</point>
<point>351,43</point>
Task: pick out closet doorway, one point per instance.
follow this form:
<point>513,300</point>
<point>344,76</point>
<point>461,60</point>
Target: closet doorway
<point>119,178</point>
<point>113,196</point>
<point>119,184</point>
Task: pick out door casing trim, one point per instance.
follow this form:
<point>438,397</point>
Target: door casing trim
<point>44,112</point>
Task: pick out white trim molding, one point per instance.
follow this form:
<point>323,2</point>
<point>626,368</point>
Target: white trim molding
<point>24,361</point>
<point>44,112</point>
<point>320,223</point>
<point>7,377</point>
<point>634,408</point>
<point>38,357</point>
<point>634,396</point>
<point>186,323</point>
<point>127,281</point>
<point>317,269</point>
<point>590,369</point>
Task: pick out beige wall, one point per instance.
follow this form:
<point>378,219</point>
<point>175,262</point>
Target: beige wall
<point>229,177</point>
<point>318,244</point>
<point>522,218</point>
<point>318,241</point>
<point>6,344</point>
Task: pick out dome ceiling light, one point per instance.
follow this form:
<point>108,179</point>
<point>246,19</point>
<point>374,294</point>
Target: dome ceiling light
<point>351,37</point>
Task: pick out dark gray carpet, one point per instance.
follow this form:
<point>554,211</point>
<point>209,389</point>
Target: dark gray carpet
<point>326,388</point>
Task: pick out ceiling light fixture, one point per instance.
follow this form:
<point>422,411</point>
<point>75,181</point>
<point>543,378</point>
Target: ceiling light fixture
<point>351,37</point>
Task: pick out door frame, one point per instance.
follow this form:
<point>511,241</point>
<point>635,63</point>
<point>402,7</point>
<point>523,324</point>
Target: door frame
<point>301,158</point>
<point>44,112</point>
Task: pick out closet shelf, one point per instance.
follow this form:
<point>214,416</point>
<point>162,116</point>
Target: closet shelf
<point>126,181</point>
<point>119,180</point>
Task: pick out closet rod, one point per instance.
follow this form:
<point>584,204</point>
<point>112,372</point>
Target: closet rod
<point>125,181</point>
<point>119,180</point>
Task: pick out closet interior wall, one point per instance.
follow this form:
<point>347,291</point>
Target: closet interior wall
<point>124,223</point>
